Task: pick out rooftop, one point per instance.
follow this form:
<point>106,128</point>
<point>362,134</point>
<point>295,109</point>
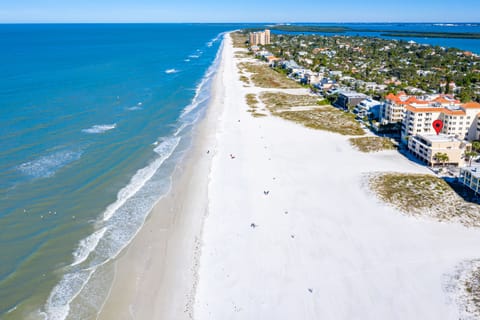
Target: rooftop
<point>403,98</point>
<point>353,94</point>
<point>369,103</point>
<point>438,137</point>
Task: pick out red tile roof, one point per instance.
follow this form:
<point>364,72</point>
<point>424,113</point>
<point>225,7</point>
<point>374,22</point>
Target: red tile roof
<point>471,105</point>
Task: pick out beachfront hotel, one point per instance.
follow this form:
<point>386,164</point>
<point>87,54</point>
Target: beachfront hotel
<point>426,146</point>
<point>459,120</point>
<point>259,38</point>
<point>394,107</point>
<point>461,124</point>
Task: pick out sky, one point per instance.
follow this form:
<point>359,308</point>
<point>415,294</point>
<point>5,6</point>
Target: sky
<point>17,11</point>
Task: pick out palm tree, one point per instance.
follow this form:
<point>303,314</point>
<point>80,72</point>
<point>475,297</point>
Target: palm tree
<point>441,157</point>
<point>476,146</point>
<point>469,155</point>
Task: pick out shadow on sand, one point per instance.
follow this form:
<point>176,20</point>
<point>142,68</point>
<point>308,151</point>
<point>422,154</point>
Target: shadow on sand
<point>465,193</point>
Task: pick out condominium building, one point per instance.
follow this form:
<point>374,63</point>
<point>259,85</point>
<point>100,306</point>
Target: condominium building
<point>426,146</point>
<point>394,107</point>
<point>470,177</point>
<point>459,120</point>
<point>259,38</point>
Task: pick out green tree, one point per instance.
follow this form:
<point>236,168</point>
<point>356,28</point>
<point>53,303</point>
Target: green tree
<point>476,146</point>
<point>441,157</point>
<point>470,155</point>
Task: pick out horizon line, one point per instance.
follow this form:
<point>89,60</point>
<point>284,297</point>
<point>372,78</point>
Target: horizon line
<point>228,22</point>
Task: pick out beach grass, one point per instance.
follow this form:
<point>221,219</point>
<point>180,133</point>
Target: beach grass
<point>306,110</point>
<point>279,101</point>
<point>424,195</point>
<point>241,55</point>
<point>239,39</point>
<point>252,102</point>
<point>265,77</point>
<point>472,288</point>
<point>327,119</point>
<point>372,144</point>
<point>244,79</point>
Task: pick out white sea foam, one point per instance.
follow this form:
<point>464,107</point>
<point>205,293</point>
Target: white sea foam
<point>194,56</point>
<point>446,24</point>
<point>100,128</point>
<point>12,309</point>
<point>142,176</point>
<point>58,303</point>
<point>121,220</point>
<point>180,129</point>
<point>46,166</point>
<point>187,60</point>
<point>197,99</point>
<point>168,71</point>
<point>87,245</point>
<point>134,108</point>
<point>218,37</point>
<point>72,283</point>
<point>138,106</point>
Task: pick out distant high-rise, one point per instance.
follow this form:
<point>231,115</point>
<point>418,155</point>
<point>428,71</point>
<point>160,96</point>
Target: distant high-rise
<point>260,37</point>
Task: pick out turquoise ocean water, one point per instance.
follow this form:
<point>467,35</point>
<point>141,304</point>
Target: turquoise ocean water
<point>93,119</point>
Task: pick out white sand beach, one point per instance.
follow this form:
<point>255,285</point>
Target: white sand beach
<point>284,229</point>
<point>323,246</point>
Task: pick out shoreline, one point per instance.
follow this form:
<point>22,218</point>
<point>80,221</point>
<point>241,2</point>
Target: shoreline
<point>165,251</point>
<point>275,222</point>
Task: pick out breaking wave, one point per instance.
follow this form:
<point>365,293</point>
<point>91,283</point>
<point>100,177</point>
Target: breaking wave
<point>100,128</point>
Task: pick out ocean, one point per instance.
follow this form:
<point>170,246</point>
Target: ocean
<point>93,120</point>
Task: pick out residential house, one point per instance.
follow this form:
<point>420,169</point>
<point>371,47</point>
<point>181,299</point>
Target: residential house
<point>470,177</point>
<point>368,108</point>
<point>349,99</point>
